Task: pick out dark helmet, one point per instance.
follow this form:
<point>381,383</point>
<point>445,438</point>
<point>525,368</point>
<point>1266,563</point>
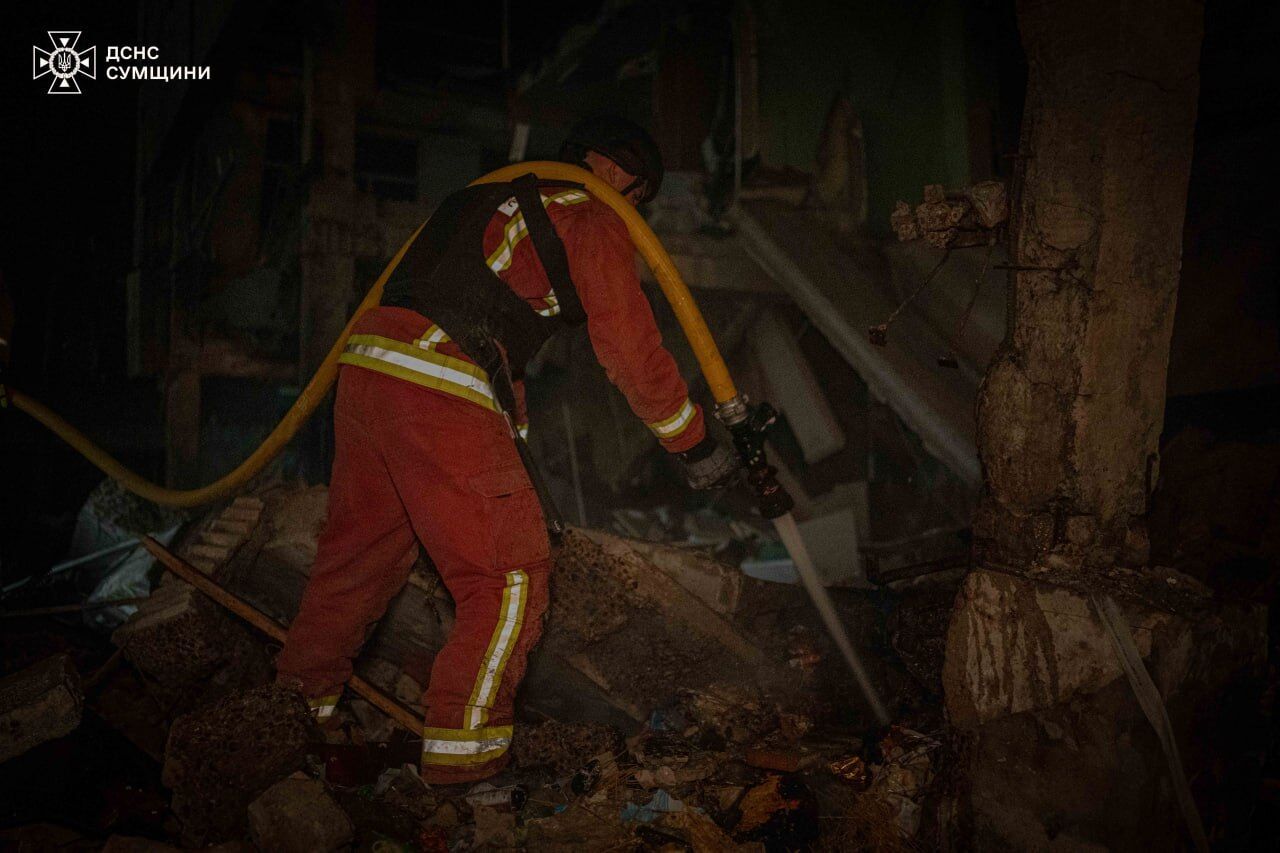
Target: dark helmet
<point>624,142</point>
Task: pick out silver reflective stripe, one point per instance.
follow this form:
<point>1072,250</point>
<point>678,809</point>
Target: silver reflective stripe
<point>676,423</point>
<point>437,336</point>
<point>506,631</point>
<point>465,747</point>
<point>426,368</point>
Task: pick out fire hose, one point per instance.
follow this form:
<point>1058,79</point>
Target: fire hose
<point>731,408</point>
<point>746,423</point>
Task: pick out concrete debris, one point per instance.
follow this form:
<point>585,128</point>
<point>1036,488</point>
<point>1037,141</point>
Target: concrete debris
<point>731,711</point>
<point>177,636</point>
<point>216,542</point>
<point>795,389</point>
<point>494,829</point>
<point>990,203</point>
<point>404,789</point>
<point>901,781</point>
<point>296,524</point>
<point>564,747</point>
<point>298,816</point>
<point>37,704</point>
<point>954,220</point>
<point>219,760</point>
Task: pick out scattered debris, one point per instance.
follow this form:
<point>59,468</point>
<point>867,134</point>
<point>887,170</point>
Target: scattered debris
<point>564,747</point>
<point>901,781</point>
<point>494,828</point>
<point>219,760</point>
<point>852,770</point>
<point>298,816</point>
<point>39,703</point>
<point>659,804</point>
<point>780,808</point>
<point>781,759</point>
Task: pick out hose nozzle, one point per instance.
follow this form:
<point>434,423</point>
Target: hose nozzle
<point>747,424</point>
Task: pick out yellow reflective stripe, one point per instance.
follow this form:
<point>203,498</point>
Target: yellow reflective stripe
<point>425,367</point>
<point>324,706</point>
<point>567,197</point>
<point>516,230</point>
<point>676,424</point>
<point>452,747</point>
<point>505,634</point>
<point>431,338</point>
<point>523,429</point>
<point>512,235</point>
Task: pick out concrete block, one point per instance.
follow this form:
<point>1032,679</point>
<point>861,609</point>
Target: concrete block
<point>715,584</point>
<point>39,703</point>
<point>795,390</point>
<point>298,816</point>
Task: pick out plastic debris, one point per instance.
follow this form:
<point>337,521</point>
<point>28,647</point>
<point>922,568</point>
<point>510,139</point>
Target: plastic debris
<point>661,803</point>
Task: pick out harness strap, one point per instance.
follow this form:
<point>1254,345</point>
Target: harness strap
<point>548,248</point>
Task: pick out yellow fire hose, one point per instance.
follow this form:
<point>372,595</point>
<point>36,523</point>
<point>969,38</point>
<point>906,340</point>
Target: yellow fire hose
<point>647,243</point>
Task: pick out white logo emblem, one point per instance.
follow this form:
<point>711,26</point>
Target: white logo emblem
<point>64,62</point>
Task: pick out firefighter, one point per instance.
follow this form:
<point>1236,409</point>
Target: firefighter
<point>429,409</point>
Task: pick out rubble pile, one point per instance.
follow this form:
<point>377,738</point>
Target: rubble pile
<point>42,702</point>
<point>563,747</point>
<point>666,708</point>
<point>219,760</point>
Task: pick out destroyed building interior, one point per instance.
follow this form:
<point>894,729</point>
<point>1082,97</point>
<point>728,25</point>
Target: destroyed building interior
<point>979,297</point>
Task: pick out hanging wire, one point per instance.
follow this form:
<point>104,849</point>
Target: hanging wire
<point>879,335</point>
<point>950,360</point>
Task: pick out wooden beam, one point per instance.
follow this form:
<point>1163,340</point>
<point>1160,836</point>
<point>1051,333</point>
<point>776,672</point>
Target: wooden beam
<point>406,718</point>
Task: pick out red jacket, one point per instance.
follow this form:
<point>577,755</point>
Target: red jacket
<point>619,319</point>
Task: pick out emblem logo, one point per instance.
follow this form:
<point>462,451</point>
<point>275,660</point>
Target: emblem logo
<point>64,62</point>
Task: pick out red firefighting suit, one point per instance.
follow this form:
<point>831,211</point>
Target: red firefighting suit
<point>423,454</point>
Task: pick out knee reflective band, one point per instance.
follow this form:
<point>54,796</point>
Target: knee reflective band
<point>460,747</point>
<point>646,242</point>
<point>323,706</point>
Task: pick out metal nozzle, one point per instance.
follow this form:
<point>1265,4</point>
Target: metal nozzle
<point>747,425</point>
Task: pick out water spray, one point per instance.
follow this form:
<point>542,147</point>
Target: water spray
<point>748,424</point>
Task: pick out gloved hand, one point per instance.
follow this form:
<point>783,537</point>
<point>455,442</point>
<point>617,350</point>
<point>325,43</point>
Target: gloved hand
<point>709,465</point>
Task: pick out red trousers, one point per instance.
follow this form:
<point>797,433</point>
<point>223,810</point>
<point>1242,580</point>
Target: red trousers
<point>414,465</point>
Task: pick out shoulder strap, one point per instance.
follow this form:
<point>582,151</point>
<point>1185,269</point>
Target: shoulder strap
<point>548,248</point>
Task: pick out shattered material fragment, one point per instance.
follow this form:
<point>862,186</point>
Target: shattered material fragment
<point>990,203</point>
<point>298,816</point>
<point>494,828</point>
<point>177,636</point>
<point>564,747</point>
<point>218,760</point>
<point>903,221</point>
<point>39,703</point>
<point>852,770</point>
<point>953,220</point>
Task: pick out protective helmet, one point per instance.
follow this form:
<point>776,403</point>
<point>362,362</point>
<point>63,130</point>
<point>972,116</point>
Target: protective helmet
<point>624,142</point>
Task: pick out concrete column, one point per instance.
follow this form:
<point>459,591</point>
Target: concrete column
<point>1070,412</point>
